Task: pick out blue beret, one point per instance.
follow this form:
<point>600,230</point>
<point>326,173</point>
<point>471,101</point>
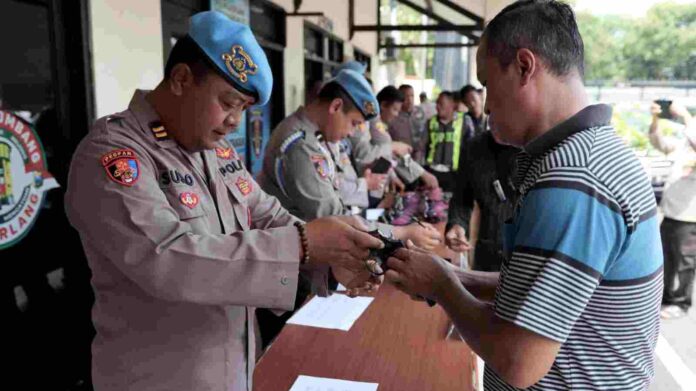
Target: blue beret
<point>232,48</point>
<point>357,87</point>
<point>352,65</point>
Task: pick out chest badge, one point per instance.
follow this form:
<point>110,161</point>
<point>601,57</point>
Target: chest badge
<point>189,199</point>
<point>321,165</point>
<point>225,153</point>
<point>243,185</point>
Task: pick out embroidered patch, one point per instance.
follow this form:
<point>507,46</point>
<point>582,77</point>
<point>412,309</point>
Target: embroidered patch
<point>243,185</point>
<point>189,199</point>
<point>321,165</point>
<point>369,108</point>
<point>225,153</point>
<point>122,166</point>
<point>239,63</point>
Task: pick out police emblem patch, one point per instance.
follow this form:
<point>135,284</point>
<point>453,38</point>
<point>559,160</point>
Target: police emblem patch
<point>239,63</point>
<point>243,185</point>
<point>189,199</point>
<point>321,165</point>
<point>122,166</point>
<point>369,108</point>
<point>225,153</point>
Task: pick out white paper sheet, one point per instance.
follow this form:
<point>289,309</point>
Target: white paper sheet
<point>333,312</point>
<point>310,383</point>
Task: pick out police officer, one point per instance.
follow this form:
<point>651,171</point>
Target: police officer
<point>300,171</point>
<point>181,240</point>
<point>377,143</point>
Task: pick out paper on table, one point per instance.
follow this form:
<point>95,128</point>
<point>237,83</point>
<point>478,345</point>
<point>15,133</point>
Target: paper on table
<point>333,312</point>
<point>310,383</point>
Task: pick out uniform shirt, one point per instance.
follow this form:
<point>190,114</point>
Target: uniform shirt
<point>299,170</point>
<point>377,143</point>
<point>484,162</point>
<point>584,261</point>
<point>352,189</point>
<point>408,128</point>
<point>182,246</point>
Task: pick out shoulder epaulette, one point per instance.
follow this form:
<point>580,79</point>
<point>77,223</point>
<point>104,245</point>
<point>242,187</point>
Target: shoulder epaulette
<point>291,140</point>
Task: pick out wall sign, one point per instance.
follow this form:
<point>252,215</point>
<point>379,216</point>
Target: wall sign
<point>24,178</point>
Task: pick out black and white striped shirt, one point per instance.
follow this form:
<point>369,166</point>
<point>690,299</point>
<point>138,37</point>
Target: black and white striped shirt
<point>583,257</point>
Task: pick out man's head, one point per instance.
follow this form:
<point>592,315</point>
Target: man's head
<point>344,103</point>
<point>390,101</point>
<point>528,52</point>
<point>445,106</point>
<point>409,98</point>
<point>472,100</point>
<point>212,75</point>
<point>423,97</point>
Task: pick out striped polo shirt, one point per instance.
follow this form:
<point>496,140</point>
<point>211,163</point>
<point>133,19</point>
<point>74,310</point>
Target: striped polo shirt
<point>583,257</point>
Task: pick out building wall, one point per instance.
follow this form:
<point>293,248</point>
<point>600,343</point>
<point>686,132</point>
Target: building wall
<point>336,11</point>
<point>126,50</point>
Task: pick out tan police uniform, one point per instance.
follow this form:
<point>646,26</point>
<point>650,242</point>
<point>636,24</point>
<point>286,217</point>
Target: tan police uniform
<point>299,170</point>
<point>351,188</point>
<point>182,246</point>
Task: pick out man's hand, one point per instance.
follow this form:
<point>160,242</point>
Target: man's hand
<point>419,273</point>
<point>456,239</point>
<point>423,235</point>
<point>374,181</point>
<point>679,111</point>
<point>429,180</point>
<point>655,110</point>
<point>400,148</point>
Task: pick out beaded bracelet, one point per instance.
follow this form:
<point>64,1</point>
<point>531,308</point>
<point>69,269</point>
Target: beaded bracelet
<point>303,239</point>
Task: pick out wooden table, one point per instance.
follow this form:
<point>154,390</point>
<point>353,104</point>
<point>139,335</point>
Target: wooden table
<point>397,342</point>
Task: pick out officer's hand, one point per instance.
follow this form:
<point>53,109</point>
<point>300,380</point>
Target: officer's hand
<point>357,283</point>
<point>397,185</point>
<point>424,236</point>
<point>419,273</point>
<point>340,242</point>
<point>374,181</point>
<point>456,239</point>
<point>429,180</point>
<point>400,148</point>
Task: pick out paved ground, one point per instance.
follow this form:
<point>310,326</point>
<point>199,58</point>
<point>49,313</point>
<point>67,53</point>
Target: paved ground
<point>677,357</point>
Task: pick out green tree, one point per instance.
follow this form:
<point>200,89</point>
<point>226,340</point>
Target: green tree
<point>603,37</point>
<point>663,44</point>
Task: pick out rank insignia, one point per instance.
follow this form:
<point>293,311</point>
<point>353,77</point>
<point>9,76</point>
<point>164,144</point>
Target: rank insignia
<point>225,153</point>
<point>158,130</point>
<point>189,199</point>
<point>321,165</point>
<point>369,108</point>
<point>243,185</point>
<point>379,125</point>
<point>121,166</point>
<point>239,63</point>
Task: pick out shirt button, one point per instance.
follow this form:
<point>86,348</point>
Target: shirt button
<point>284,280</point>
